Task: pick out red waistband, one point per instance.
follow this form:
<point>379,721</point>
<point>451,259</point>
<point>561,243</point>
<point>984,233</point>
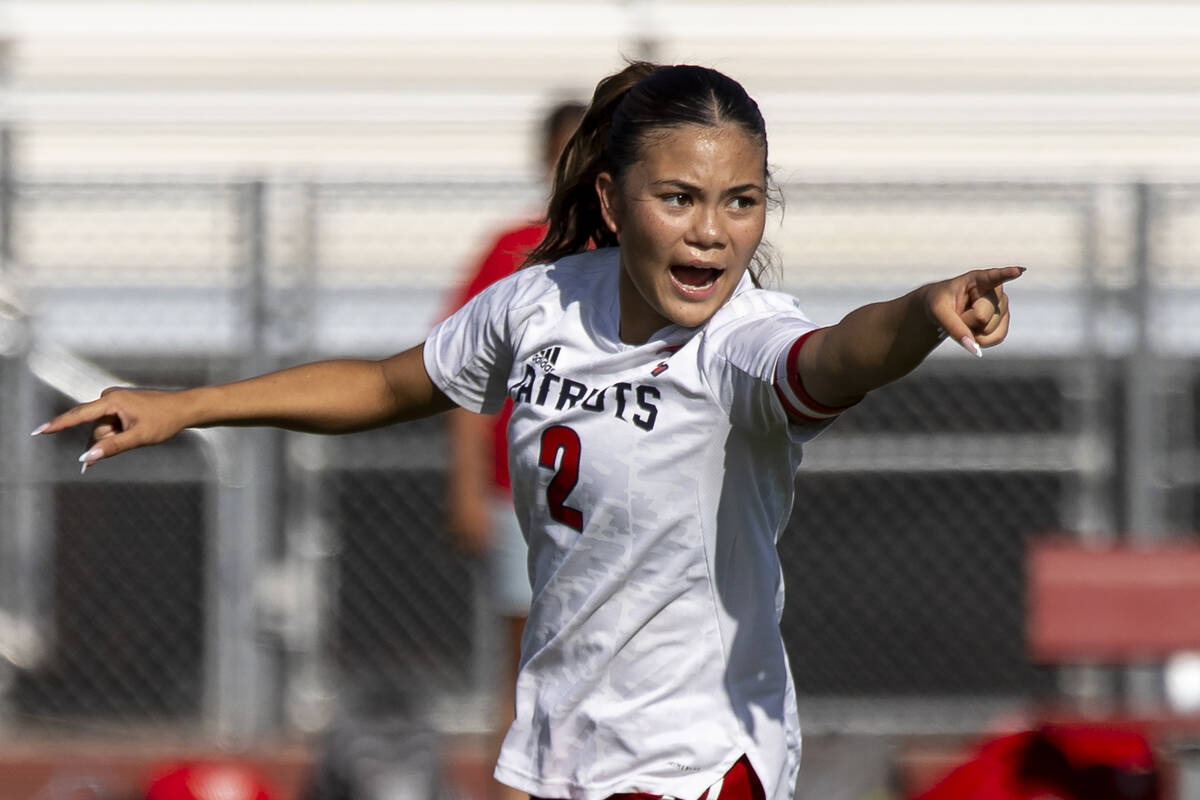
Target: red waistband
<point>739,783</point>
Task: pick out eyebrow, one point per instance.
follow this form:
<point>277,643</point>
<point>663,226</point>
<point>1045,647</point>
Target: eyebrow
<point>692,189</point>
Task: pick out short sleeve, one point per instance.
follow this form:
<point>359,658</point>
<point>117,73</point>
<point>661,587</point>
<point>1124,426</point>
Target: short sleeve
<point>751,365</point>
<point>469,354</point>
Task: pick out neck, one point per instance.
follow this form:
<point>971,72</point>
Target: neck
<point>638,321</point>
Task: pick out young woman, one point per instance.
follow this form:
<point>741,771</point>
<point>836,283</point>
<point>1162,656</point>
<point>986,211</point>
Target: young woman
<point>661,401</point>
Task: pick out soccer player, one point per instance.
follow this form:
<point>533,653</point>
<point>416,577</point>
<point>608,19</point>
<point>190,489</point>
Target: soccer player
<point>661,401</point>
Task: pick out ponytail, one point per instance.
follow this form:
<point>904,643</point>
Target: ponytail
<point>573,214</point>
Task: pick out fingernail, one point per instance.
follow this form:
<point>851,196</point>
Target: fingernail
<point>971,346</point>
<point>83,469</point>
<point>40,428</point>
<point>93,455</point>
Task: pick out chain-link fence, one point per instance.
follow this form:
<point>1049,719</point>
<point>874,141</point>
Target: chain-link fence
<point>244,583</point>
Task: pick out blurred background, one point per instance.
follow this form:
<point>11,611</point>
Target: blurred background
<point>199,191</point>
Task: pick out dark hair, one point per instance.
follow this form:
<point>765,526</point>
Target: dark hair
<point>626,110</point>
<point>560,119</point>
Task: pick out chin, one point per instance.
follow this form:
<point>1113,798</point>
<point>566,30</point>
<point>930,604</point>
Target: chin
<point>695,317</point>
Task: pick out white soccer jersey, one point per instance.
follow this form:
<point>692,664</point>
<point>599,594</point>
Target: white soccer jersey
<point>651,482</point>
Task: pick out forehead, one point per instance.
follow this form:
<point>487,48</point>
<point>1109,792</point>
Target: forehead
<point>722,153</point>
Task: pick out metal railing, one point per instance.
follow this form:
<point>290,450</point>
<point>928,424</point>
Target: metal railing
<point>240,584</point>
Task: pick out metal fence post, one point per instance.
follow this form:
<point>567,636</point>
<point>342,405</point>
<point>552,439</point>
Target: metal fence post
<point>26,622</point>
<point>1145,428</point>
<point>239,689</point>
<point>1094,515</point>
<point>309,547</point>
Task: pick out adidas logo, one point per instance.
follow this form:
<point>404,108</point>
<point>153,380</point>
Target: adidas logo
<point>547,358</point>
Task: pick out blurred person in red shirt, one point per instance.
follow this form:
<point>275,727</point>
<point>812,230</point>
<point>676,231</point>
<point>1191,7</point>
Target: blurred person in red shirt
<point>1056,762</point>
<point>481,517</point>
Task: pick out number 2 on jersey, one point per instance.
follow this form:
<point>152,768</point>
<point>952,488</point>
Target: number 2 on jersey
<point>556,439</point>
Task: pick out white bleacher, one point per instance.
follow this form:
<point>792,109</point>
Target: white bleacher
<point>453,87</point>
<point>378,91</point>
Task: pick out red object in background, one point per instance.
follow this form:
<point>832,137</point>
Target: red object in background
<point>503,258</point>
<point>215,780</point>
<point>1056,762</point>
<point>1112,604</point>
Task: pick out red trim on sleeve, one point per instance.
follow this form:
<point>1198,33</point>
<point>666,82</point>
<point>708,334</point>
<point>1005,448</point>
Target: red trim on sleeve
<point>800,404</point>
<point>791,410</point>
<point>793,374</point>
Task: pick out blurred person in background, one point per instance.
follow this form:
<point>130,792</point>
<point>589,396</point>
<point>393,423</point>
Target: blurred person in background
<point>481,516</point>
<point>662,400</point>
<point>1083,761</point>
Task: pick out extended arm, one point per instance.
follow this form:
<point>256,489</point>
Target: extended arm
<point>880,342</point>
<point>323,397</point>
<point>469,483</point>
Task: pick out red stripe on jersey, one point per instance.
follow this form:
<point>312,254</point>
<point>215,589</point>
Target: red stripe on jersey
<point>793,374</point>
<point>792,411</point>
<point>797,402</point>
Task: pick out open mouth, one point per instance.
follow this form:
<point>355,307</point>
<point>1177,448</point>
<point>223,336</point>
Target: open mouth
<point>692,279</point>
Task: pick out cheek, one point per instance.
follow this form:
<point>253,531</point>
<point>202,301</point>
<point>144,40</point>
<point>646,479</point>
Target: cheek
<point>750,234</point>
<point>653,232</point>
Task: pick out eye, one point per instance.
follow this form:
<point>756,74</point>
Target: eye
<point>678,199</point>
<point>743,202</point>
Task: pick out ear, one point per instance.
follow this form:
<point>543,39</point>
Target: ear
<point>607,192</point>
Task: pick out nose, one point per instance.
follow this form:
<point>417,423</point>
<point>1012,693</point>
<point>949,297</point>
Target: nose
<point>707,230</point>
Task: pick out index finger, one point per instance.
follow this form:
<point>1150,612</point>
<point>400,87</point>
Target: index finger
<point>994,277</point>
<point>88,412</point>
